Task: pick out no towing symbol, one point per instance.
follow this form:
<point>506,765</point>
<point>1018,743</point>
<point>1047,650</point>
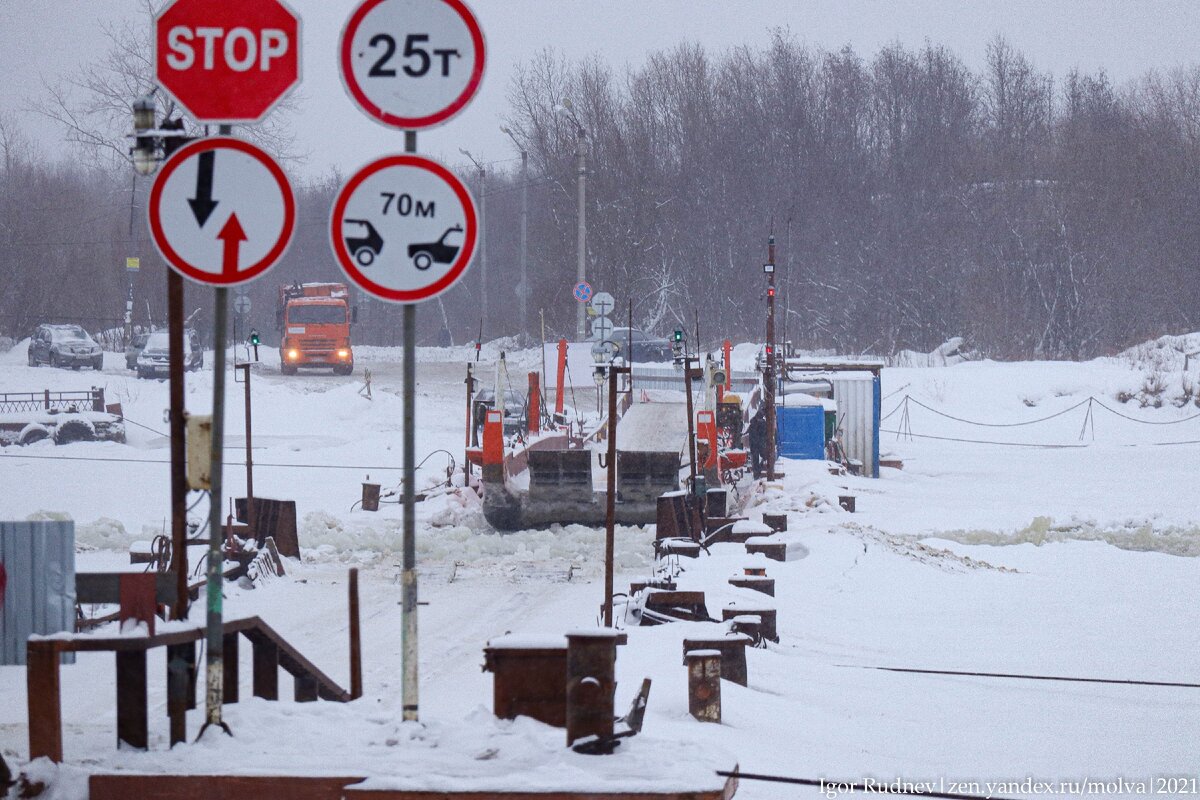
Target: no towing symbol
<point>404,228</point>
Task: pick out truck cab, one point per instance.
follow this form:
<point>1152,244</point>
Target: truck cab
<point>314,321</point>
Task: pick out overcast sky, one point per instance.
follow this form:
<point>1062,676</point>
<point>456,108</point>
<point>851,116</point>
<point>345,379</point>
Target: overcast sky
<point>48,39</point>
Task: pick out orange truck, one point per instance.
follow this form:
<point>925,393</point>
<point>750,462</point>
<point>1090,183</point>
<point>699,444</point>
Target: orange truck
<point>314,327</point>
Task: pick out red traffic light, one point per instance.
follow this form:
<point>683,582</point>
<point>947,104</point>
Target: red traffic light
<point>770,291</point>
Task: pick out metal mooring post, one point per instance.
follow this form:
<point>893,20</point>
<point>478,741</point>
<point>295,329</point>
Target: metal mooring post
<point>250,519</point>
<point>214,688</point>
<point>408,575</point>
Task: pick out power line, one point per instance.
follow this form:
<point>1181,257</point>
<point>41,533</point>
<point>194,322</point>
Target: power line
<point>228,463</point>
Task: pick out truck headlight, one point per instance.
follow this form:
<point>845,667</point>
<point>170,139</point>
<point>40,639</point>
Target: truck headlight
<point>343,354</point>
<point>293,355</point>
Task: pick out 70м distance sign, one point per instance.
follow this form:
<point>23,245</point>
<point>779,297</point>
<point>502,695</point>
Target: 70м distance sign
<point>404,228</point>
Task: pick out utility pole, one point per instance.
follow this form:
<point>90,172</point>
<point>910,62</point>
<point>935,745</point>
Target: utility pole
<point>523,293</point>
<point>581,210</point>
<point>483,284</point>
<point>610,513</point>
<point>581,235</point>
<point>769,368</point>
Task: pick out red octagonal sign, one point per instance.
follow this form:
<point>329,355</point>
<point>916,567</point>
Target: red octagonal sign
<point>227,61</point>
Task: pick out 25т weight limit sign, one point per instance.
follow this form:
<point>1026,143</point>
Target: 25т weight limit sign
<point>412,64</point>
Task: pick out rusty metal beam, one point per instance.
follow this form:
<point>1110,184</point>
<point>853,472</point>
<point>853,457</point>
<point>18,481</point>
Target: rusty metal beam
<point>44,690</point>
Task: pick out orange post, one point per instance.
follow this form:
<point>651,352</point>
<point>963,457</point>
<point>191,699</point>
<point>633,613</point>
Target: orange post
<point>562,372</point>
<point>493,447</point>
<point>706,429</point>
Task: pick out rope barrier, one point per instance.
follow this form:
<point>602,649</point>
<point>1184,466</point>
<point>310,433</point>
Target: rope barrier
<point>1113,681</point>
<point>1080,404</point>
<point>910,434</point>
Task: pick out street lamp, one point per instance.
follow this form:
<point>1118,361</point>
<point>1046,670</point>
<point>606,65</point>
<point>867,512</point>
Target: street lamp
<point>483,292</point>
<point>581,182</point>
<point>523,286</point>
<point>145,157</point>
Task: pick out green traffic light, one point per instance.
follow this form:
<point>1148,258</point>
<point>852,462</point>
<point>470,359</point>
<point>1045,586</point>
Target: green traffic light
<point>254,337</point>
<point>679,336</point>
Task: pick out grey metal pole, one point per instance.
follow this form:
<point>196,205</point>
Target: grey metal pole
<point>524,239</point>
<point>214,692</point>
<point>408,576</point>
<point>483,270</point>
<point>581,237</point>
<point>214,686</point>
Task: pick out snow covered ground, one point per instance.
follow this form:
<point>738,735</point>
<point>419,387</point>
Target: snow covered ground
<point>1002,548</point>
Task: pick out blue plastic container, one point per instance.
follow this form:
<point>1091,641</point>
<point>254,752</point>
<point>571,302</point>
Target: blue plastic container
<point>800,431</point>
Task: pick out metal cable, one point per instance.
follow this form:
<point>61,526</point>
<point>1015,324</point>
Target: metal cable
<point>1080,404</point>
<point>1115,681</point>
<point>982,441</point>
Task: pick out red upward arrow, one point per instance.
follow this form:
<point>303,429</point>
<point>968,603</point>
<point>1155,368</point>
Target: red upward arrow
<point>233,236</point>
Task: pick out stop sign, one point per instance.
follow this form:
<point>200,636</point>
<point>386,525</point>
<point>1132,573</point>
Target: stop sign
<point>227,62</point>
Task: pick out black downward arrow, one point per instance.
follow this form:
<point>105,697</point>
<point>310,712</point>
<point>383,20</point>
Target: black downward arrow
<point>202,204</point>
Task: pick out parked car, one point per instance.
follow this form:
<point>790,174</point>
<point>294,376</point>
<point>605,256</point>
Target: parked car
<point>514,410</point>
<point>645,348</point>
<point>155,356</point>
<point>134,349</point>
<point>64,346</point>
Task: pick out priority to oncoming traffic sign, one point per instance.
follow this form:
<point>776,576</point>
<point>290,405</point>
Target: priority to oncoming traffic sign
<point>221,211</point>
<point>412,64</point>
<point>404,228</point>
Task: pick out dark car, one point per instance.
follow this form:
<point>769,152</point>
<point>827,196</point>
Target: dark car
<point>645,348</point>
<point>426,254</point>
<point>155,357</point>
<point>134,349</point>
<point>64,346</point>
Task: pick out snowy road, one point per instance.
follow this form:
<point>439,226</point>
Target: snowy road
<point>1075,562</point>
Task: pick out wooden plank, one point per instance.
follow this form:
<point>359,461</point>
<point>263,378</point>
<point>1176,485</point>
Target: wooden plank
<point>266,668</point>
<point>180,661</point>
<point>43,687</point>
<point>105,587</point>
<point>355,793</point>
<point>132,727</point>
<point>305,688</point>
<point>230,662</point>
<point>217,787</point>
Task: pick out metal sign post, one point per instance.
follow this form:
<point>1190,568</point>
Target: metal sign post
<point>411,243</point>
<point>221,212</point>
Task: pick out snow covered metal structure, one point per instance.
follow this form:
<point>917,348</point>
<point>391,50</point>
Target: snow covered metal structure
<point>39,598</point>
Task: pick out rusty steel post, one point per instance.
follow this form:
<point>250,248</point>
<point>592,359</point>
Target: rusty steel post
<point>355,640</point>
<point>470,417</point>
<point>610,512</point>
<point>534,414</point>
<point>591,683</point>
<point>44,697</point>
<point>560,390</point>
<point>179,488</point>
<point>704,684</point>
<point>250,518</point>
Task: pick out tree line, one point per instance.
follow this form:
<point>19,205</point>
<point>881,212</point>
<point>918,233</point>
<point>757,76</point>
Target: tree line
<point>911,198</point>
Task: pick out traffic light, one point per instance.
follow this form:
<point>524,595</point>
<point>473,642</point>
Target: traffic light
<point>254,337</point>
<point>770,291</point>
<point>678,336</point>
